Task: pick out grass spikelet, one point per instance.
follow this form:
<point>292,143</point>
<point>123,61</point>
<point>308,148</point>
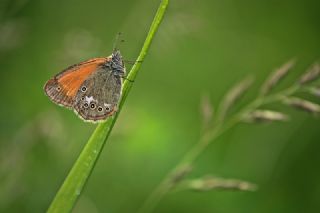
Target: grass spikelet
<point>303,105</point>
<point>215,183</point>
<point>233,95</point>
<point>265,116</point>
<point>276,77</point>
<point>311,74</point>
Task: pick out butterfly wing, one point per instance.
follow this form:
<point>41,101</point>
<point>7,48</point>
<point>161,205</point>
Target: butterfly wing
<point>63,88</point>
<point>99,95</point>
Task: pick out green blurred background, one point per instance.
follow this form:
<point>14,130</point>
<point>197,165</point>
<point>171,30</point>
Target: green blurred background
<point>202,47</point>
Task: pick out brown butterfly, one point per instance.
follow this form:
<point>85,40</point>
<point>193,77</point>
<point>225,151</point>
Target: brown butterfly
<point>91,88</point>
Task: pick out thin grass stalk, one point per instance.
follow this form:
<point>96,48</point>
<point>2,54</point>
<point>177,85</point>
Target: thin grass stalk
<point>220,128</point>
<point>74,183</point>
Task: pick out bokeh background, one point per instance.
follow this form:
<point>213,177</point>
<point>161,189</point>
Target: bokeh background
<point>202,48</point>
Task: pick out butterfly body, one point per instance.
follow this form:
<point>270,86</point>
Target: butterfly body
<point>91,88</point>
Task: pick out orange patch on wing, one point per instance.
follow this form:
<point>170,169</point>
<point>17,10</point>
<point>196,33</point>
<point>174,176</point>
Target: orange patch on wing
<point>72,78</point>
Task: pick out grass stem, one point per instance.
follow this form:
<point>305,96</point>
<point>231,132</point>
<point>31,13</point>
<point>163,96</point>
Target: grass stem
<point>74,183</point>
<point>220,127</point>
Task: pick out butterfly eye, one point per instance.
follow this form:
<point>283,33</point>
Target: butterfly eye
<point>86,105</point>
<point>99,108</point>
<point>92,106</point>
<point>83,89</point>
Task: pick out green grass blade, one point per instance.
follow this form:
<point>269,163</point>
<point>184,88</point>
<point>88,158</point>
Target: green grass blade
<point>73,185</point>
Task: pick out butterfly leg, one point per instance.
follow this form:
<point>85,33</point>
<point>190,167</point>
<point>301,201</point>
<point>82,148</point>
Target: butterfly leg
<point>131,62</point>
<point>125,78</point>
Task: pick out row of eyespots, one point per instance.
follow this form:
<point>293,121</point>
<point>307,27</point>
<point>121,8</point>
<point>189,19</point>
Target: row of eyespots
<point>93,106</point>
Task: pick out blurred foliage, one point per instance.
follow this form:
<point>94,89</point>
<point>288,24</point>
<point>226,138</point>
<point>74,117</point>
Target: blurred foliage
<point>203,47</point>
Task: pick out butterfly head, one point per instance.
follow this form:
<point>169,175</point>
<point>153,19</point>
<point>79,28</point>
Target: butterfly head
<point>117,64</point>
<point>116,56</point>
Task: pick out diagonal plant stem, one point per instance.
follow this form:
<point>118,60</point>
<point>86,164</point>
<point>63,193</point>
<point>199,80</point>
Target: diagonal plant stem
<point>221,127</point>
<point>74,183</point>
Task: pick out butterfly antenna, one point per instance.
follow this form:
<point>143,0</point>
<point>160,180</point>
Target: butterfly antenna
<point>115,44</point>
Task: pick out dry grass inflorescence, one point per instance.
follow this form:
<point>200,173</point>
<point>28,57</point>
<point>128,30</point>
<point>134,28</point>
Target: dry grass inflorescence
<point>225,117</point>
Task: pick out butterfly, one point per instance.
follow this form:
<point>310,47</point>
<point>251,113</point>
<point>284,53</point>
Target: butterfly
<point>91,88</point>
